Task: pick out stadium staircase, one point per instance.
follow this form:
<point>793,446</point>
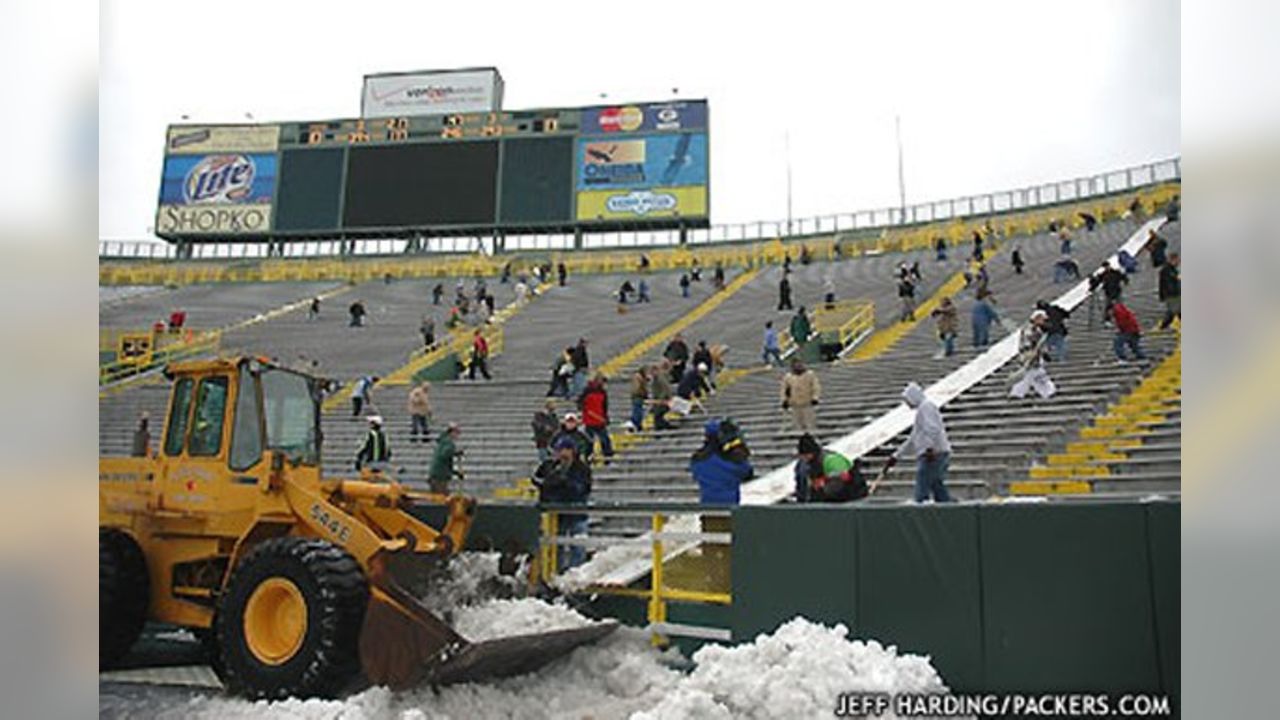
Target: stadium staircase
<point>997,440</point>
<point>856,391</point>
<point>494,415</point>
<point>208,306</point>
<point>1134,446</point>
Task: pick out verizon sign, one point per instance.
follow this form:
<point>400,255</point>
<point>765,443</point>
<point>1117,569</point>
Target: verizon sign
<point>439,92</point>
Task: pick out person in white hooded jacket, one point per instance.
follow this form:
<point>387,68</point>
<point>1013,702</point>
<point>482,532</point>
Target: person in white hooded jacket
<point>928,441</point>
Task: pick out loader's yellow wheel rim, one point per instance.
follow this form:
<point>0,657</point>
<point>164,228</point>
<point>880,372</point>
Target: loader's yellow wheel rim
<point>275,621</point>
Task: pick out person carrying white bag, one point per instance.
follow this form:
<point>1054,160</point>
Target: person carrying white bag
<point>1031,374</point>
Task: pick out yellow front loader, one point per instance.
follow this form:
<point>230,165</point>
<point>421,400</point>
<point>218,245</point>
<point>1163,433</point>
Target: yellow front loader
<point>297,584</point>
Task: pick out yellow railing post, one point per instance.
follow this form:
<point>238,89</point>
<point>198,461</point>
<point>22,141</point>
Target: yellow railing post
<point>862,319</point>
<point>657,604</point>
<point>550,550</point>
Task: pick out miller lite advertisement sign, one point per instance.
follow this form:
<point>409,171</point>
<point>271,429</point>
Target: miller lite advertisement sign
<point>227,194</point>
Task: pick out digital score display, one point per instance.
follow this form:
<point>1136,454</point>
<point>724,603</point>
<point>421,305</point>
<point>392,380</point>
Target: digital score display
<point>433,128</point>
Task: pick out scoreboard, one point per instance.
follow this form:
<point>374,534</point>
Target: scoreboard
<point>641,166</point>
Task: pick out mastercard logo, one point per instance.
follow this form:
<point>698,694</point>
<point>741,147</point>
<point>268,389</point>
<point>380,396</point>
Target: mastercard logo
<point>623,119</point>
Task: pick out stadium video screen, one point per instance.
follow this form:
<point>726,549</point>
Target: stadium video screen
<point>421,184</point>
<point>537,180</point>
<point>310,189</point>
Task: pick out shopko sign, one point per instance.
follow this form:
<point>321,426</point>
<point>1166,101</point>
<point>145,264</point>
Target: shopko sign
<point>213,220</point>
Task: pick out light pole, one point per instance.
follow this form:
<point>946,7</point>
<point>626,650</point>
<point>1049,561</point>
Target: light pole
<point>786,140</point>
<point>902,184</point>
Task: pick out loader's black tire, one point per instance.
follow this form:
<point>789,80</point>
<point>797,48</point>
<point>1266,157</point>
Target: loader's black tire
<point>335,593</point>
<point>123,594</point>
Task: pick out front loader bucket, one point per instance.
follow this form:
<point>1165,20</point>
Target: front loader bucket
<point>403,644</point>
<point>515,655</point>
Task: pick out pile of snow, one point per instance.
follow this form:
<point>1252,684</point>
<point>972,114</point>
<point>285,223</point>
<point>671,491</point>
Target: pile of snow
<point>796,672</point>
<point>470,578</point>
<point>614,678</point>
<point>626,561</point>
<point>503,618</point>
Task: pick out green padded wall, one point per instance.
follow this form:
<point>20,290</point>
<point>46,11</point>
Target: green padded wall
<point>919,585</point>
<point>1164,530</point>
<point>1066,598</point>
<point>1045,597</point>
<point>795,561</point>
<point>497,526</point>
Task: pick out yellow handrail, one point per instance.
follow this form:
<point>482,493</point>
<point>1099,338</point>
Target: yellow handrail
<point>207,342</point>
<point>833,316</point>
<point>616,364</point>
<point>861,324</point>
<point>658,594</point>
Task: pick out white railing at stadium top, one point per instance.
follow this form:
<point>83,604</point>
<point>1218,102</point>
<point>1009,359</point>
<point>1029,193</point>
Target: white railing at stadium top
<point>1083,188</point>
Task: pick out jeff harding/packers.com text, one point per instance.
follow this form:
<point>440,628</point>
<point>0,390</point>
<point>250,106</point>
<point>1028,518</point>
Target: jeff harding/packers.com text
<point>855,705</point>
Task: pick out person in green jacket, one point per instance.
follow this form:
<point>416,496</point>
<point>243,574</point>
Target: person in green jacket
<point>824,475</point>
<point>800,328</point>
<point>443,462</point>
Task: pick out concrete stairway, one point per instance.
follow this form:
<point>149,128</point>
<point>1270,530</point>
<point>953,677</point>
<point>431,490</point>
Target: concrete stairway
<point>996,440</point>
<point>1135,446</point>
<point>112,294</point>
<point>739,323</point>
<point>588,307</point>
<point>494,415</point>
<point>331,348</point>
<point>207,305</point>
<point>854,392</point>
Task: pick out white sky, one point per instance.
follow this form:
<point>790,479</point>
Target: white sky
<point>992,95</point>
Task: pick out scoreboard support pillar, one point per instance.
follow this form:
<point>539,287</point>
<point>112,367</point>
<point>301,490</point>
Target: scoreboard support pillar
<point>577,238</point>
<point>417,244</point>
<point>684,235</point>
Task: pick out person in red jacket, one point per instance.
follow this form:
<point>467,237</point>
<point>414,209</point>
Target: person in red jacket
<point>1128,332</point>
<point>479,356</point>
<point>177,319</point>
<point>594,404</point>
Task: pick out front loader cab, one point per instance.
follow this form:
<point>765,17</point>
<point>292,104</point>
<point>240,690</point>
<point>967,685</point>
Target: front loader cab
<point>240,411</point>
<point>290,403</point>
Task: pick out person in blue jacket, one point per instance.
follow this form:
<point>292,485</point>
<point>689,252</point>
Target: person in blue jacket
<point>984,313</point>
<point>720,467</point>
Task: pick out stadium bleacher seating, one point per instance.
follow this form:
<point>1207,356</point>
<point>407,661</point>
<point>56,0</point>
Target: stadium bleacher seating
<point>208,305</point>
<point>997,440</point>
